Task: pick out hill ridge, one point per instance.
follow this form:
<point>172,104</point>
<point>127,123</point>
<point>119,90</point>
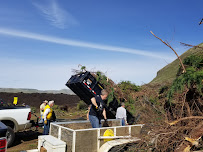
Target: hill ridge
<point>168,73</point>
<point>27,90</point>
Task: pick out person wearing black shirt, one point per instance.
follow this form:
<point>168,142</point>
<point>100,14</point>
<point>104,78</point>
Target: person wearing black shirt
<point>97,109</point>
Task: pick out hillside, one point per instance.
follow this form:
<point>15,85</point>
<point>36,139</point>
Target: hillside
<point>24,90</point>
<point>168,73</point>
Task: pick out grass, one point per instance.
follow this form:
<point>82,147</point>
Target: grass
<point>72,113</point>
<point>33,146</point>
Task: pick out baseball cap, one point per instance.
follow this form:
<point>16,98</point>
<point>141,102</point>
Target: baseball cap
<point>45,101</point>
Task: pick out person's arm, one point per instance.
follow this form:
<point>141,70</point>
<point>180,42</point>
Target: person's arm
<point>46,113</point>
<point>104,114</point>
<point>41,107</point>
<point>93,100</point>
<point>88,113</point>
<point>117,114</point>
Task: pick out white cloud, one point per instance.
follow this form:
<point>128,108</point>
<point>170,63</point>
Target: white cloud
<point>55,14</point>
<point>25,74</point>
<point>49,76</point>
<point>70,42</point>
<point>139,72</point>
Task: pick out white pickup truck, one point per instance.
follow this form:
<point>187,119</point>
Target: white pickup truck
<point>16,118</point>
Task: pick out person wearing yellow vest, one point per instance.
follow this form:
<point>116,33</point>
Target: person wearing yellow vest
<point>47,115</point>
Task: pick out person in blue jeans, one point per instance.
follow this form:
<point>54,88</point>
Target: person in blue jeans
<point>121,114</point>
<point>47,116</point>
<point>97,109</point>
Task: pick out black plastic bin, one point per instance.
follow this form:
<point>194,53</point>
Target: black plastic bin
<point>86,86</point>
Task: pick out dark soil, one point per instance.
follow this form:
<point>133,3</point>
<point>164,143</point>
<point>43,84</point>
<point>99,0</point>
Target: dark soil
<point>25,140</point>
<point>35,99</point>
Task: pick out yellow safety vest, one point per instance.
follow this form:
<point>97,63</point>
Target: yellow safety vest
<point>50,113</point>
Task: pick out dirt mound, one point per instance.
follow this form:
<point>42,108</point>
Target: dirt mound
<point>35,99</point>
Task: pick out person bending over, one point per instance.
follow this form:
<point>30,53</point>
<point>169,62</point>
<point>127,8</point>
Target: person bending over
<point>97,109</point>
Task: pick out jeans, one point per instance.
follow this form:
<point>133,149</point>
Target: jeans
<point>123,122</point>
<point>41,119</point>
<point>95,122</point>
<point>46,127</point>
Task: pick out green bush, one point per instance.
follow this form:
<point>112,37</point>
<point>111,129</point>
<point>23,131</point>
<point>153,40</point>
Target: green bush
<point>111,96</point>
<point>131,107</point>
<point>81,105</point>
<point>83,68</point>
<point>56,107</point>
<point>163,89</point>
<point>191,79</point>
<point>131,100</point>
<point>194,61</point>
<point>153,100</point>
<point>33,109</point>
<point>102,78</point>
<point>127,86</point>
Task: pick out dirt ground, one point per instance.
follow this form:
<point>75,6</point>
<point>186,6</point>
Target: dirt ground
<point>35,99</point>
<point>25,141</point>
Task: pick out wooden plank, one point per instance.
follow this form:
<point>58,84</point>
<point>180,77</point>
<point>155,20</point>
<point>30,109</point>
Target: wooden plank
<point>135,130</point>
<point>124,131</point>
<point>54,130</point>
<point>67,136</point>
<point>86,141</point>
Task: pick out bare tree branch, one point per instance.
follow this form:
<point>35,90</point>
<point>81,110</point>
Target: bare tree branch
<point>166,43</point>
<point>191,45</point>
<point>201,21</point>
<point>185,118</point>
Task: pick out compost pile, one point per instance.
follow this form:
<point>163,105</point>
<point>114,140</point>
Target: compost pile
<point>180,108</point>
<point>183,127</point>
<point>122,91</point>
<point>172,112</point>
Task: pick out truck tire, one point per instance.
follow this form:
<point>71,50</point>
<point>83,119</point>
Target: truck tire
<point>10,135</point>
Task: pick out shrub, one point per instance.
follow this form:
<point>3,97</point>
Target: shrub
<point>102,78</point>
<point>163,89</point>
<point>194,61</point>
<point>127,86</point>
<point>81,105</point>
<point>153,100</point>
<point>192,79</point>
<point>131,100</point>
<point>83,68</point>
<point>111,96</point>
<point>33,109</point>
<point>56,107</point>
<point>131,107</point>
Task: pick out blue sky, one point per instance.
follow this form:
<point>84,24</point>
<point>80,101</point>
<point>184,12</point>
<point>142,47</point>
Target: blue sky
<point>41,41</point>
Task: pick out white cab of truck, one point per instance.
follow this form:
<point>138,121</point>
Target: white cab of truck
<point>16,118</point>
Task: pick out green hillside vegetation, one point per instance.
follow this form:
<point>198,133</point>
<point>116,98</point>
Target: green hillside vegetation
<point>169,72</point>
<point>190,80</point>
